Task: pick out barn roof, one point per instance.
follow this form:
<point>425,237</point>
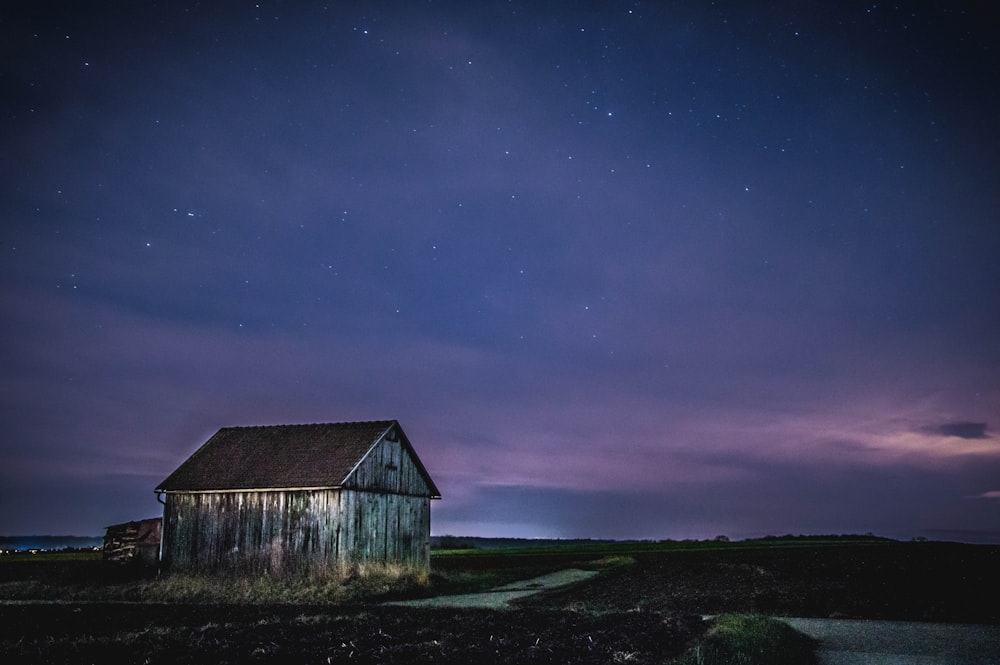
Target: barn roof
<point>283,457</point>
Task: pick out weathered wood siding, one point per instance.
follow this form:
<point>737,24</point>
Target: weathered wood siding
<point>133,542</point>
<point>388,467</point>
<point>294,531</point>
<point>382,514</point>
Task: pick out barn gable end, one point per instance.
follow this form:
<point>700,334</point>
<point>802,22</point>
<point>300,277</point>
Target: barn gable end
<point>298,498</point>
<point>391,465</point>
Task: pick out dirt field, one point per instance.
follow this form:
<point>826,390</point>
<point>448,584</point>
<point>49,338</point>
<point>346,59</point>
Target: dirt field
<point>643,607</point>
<point>212,634</point>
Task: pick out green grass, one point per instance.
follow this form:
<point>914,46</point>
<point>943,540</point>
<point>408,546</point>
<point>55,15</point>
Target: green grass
<point>750,639</point>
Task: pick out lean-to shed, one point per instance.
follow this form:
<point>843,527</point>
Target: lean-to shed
<point>298,498</point>
<point>133,542</point>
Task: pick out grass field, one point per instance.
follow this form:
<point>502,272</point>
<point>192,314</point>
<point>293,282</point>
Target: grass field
<point>44,556</point>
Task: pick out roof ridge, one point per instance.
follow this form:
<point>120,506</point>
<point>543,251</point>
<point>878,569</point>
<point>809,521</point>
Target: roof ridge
<point>342,422</point>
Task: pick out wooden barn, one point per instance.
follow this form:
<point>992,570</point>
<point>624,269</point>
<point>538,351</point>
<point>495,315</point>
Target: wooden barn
<point>298,499</point>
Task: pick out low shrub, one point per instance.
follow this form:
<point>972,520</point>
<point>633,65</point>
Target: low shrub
<point>750,639</point>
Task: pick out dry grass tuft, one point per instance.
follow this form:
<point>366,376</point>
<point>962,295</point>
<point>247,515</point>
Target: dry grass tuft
<point>335,585</point>
<point>614,561</point>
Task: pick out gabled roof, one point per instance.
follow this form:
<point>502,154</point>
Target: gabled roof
<point>283,457</point>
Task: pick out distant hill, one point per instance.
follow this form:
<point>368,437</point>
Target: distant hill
<point>49,542</point>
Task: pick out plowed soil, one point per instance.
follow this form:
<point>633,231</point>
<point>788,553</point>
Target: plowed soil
<point>212,634</point>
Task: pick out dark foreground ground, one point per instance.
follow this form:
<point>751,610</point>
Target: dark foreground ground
<point>936,582</point>
<point>289,634</point>
<point>643,608</point>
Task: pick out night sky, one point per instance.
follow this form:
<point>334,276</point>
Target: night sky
<point>622,269</point>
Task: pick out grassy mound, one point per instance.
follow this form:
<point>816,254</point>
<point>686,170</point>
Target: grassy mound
<point>750,639</point>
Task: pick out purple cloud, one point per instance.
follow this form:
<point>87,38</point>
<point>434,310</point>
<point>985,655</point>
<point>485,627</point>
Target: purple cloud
<point>960,429</point>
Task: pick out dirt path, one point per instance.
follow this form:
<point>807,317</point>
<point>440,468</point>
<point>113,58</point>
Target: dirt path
<point>500,597</point>
<point>862,642</point>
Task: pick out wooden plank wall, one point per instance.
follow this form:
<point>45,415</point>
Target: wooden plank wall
<point>299,531</point>
<point>133,542</point>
